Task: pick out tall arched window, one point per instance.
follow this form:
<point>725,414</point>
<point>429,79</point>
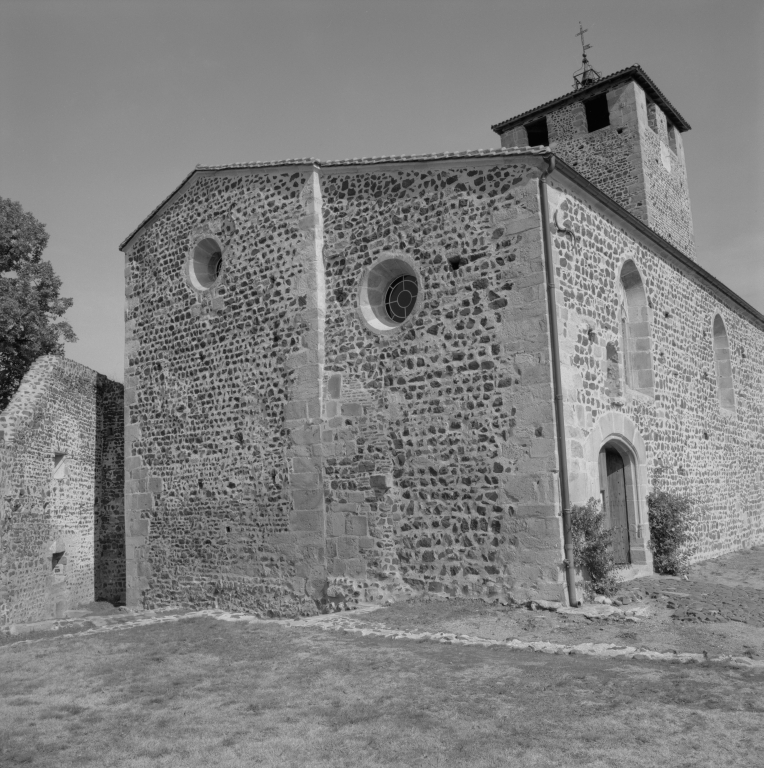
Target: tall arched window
<point>635,331</point>
<point>723,366</point>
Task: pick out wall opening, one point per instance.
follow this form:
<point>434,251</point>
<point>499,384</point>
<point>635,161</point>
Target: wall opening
<point>538,133</point>
<point>652,117</point>
<point>206,264</point>
<point>672,138</point>
<point>58,567</point>
<point>635,331</point>
<point>59,466</point>
<point>390,293</point>
<point>723,365</point>
<point>597,112</point>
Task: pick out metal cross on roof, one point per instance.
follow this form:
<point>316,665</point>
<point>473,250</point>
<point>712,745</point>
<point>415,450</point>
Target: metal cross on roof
<point>586,75</point>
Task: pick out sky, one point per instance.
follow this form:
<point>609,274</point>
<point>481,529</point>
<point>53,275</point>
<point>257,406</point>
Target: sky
<point>106,105</point>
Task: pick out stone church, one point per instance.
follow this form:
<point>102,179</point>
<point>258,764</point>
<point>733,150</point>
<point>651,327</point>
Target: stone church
<point>395,375</point>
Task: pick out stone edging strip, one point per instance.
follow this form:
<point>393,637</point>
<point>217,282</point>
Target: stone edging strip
<point>349,623</point>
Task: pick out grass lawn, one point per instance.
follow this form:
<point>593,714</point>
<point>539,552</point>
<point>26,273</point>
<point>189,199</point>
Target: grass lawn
<point>201,692</point>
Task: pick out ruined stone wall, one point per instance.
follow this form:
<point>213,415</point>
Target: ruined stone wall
<point>109,494</point>
<point>693,445</point>
<point>218,511</point>
<point>51,521</point>
<point>439,438</point>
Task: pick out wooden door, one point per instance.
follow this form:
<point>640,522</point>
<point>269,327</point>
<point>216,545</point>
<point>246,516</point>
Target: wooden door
<point>615,507</point>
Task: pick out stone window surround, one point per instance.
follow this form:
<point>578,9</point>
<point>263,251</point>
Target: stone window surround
<point>618,431</point>
<point>188,270</point>
<point>388,266</point>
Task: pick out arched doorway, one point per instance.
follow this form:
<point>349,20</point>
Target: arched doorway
<point>588,477</point>
<point>617,490</point>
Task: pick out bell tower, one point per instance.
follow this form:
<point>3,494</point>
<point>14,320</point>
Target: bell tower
<point>623,135</point>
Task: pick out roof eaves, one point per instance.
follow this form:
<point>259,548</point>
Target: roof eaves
<point>635,71</point>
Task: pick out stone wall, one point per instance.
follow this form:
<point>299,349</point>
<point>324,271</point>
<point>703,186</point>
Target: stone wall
<point>267,450</point>
<point>665,174</point>
<point>281,448</point>
<point>109,494</point>
<point>61,513</point>
<point>223,502</point>
<point>439,439</point>
<point>692,444</point>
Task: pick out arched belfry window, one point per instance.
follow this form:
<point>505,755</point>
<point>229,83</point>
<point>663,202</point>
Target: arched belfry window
<point>723,366</point>
<point>635,331</point>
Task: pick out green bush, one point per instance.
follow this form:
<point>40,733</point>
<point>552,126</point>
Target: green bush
<point>670,518</point>
<point>593,548</point>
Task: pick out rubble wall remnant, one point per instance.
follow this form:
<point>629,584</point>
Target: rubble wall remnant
<point>61,491</point>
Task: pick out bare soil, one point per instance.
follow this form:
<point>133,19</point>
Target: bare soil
<point>658,632</point>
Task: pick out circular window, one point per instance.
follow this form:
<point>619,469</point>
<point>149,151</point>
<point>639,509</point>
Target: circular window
<point>400,297</point>
<point>390,292</point>
<point>206,264</point>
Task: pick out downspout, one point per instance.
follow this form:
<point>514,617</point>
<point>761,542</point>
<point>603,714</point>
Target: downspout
<point>570,567</point>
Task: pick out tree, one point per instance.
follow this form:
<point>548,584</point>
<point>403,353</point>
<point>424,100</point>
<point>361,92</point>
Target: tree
<point>30,307</point>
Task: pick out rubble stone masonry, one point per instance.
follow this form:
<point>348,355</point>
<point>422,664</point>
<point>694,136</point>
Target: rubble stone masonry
<point>61,492</point>
<point>693,444</point>
<point>283,448</point>
<point>267,451</point>
<point>224,502</point>
<point>439,439</point>
<point>637,160</point>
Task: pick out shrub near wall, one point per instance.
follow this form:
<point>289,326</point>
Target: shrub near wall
<point>670,517</point>
<point>593,548</point>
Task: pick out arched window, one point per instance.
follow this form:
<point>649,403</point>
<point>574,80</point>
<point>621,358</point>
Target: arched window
<point>635,331</point>
<point>723,366</point>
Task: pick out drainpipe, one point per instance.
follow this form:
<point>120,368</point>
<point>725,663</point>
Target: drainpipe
<point>570,568</point>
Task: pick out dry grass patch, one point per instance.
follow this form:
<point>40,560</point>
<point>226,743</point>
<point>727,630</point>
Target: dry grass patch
<point>208,693</point>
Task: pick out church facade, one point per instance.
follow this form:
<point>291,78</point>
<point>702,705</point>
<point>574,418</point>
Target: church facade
<point>395,375</point>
